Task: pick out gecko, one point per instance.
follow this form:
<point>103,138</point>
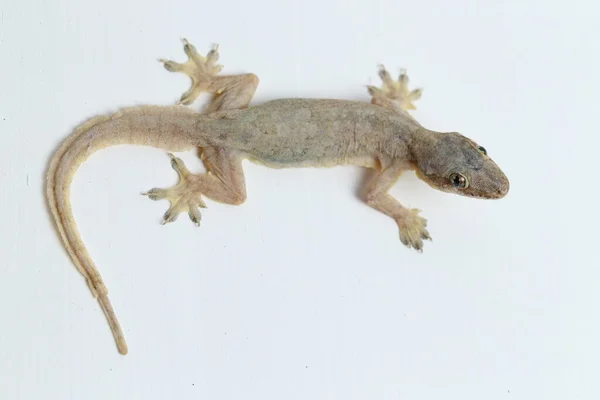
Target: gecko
<point>380,135</point>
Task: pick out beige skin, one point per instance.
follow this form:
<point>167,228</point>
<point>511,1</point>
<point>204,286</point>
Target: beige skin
<point>278,134</point>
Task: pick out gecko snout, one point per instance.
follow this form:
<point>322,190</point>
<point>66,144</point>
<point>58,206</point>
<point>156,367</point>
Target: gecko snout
<point>502,187</point>
<point>505,188</point>
<point>489,182</point>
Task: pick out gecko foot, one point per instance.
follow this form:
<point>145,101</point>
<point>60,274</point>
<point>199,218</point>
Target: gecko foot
<point>394,93</point>
<point>200,69</point>
<point>412,229</point>
<point>184,197</point>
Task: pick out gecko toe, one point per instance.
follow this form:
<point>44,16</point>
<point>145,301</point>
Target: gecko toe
<point>425,235</point>
<point>156,194</point>
<point>412,229</point>
<point>195,215</point>
<point>169,216</point>
<point>172,66</point>
<point>418,245</point>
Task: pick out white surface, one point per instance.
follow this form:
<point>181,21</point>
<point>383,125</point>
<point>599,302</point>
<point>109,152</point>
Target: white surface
<point>304,292</point>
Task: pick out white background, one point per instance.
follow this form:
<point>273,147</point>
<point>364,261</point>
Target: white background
<point>304,292</point>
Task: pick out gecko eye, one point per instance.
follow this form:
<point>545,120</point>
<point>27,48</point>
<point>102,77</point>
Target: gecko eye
<point>483,150</point>
<point>459,180</point>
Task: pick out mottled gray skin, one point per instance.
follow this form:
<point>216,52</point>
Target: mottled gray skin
<point>310,132</point>
<point>281,133</point>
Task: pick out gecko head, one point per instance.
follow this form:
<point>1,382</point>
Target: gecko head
<point>456,164</point>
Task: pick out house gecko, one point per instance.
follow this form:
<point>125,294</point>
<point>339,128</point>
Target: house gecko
<point>281,133</point>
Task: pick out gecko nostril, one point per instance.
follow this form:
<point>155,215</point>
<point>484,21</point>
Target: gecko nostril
<point>503,189</point>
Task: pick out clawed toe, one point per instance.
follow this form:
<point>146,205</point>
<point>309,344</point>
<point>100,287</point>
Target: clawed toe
<point>156,194</point>
<point>194,214</point>
<point>179,166</point>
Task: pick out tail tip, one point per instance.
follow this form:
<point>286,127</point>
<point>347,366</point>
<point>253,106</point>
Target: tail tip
<point>122,346</point>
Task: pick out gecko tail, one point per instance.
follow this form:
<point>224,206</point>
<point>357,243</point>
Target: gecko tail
<point>140,125</point>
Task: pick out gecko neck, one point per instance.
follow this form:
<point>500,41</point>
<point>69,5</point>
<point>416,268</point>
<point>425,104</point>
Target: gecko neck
<point>422,142</point>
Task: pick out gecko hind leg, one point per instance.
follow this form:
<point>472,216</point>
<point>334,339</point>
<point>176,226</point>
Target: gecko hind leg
<point>230,91</point>
<point>201,70</point>
<point>394,94</point>
<point>224,182</point>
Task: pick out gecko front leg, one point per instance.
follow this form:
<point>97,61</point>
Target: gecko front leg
<point>412,227</point>
<point>224,182</point>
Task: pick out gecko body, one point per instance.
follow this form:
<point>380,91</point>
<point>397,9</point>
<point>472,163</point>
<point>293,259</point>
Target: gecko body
<point>281,133</point>
<point>308,132</point>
